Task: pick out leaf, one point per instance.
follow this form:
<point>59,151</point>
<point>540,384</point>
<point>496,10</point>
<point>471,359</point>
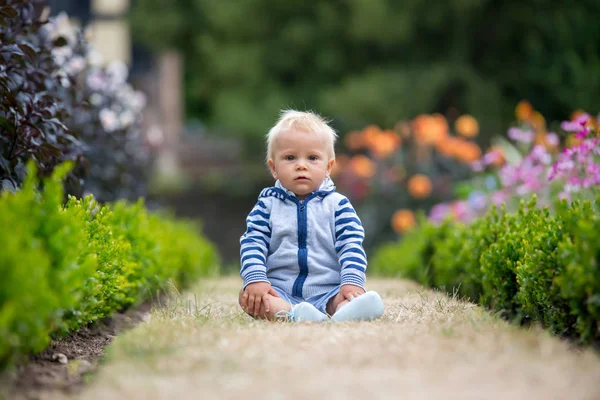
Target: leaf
<point>9,12</point>
<point>8,184</point>
<point>29,51</point>
<point>6,124</point>
<point>4,164</point>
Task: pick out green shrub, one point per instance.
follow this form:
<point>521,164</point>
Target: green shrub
<point>411,257</point>
<point>579,252</point>
<point>63,267</point>
<point>40,264</point>
<point>533,265</point>
<point>499,261</point>
<point>538,270</point>
<point>403,258</point>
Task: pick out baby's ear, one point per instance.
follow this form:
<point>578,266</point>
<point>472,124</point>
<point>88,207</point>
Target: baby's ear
<point>272,168</point>
<point>330,165</point>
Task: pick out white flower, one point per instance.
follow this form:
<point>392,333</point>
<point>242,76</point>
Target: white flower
<point>76,65</point>
<point>109,120</point>
<point>61,27</point>
<point>61,54</point>
<point>117,71</point>
<point>95,80</point>
<point>64,81</point>
<point>138,101</point>
<point>127,118</point>
<point>95,99</point>
<point>94,58</point>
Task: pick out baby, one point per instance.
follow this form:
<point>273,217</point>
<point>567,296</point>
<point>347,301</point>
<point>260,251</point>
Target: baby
<point>301,255</point>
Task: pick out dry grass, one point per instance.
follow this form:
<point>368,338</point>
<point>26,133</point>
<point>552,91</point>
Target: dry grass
<point>427,346</point>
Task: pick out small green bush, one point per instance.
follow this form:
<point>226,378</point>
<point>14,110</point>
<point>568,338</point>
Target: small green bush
<point>63,267</point>
<point>531,266</point>
<point>538,270</point>
<point>579,253</point>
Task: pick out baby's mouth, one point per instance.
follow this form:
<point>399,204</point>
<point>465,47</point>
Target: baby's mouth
<point>301,178</point>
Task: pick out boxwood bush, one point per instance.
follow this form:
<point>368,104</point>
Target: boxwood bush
<point>530,266</point>
<point>65,266</point>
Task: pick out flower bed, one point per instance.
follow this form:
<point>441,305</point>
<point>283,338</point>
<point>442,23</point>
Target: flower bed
<point>64,266</point>
<point>536,260</point>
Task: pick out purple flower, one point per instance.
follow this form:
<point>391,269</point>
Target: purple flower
<point>519,135</point>
<point>439,212</point>
<point>477,166</point>
<point>477,200</point>
<point>575,125</point>
<point>509,175</point>
<point>499,197</point>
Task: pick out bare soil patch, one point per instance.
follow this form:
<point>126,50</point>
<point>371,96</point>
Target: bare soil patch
<point>67,364</point>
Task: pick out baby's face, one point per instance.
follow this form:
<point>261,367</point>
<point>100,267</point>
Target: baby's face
<point>301,161</point>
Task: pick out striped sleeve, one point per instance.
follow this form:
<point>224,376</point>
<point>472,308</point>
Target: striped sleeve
<point>254,245</point>
<point>349,236</point>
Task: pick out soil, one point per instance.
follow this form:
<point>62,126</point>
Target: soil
<point>64,367</point>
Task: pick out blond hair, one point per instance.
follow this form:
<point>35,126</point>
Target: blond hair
<point>300,120</point>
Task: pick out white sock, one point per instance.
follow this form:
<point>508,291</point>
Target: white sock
<point>362,308</point>
<point>305,312</point>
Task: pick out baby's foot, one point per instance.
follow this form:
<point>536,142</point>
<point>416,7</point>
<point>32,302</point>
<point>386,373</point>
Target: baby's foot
<point>362,308</point>
<point>303,312</point>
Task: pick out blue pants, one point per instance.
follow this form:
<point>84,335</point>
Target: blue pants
<point>319,301</point>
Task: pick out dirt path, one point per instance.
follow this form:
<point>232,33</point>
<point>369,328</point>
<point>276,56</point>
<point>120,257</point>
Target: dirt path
<point>427,346</point>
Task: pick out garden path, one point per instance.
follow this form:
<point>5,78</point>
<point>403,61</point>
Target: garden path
<point>427,346</point>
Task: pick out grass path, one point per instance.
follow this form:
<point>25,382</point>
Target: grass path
<point>427,346</point>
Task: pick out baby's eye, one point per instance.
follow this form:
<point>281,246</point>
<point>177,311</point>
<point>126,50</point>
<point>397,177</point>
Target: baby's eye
<point>289,158</point>
<point>313,158</point>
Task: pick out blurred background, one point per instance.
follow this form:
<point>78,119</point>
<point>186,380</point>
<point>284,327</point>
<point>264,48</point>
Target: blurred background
<point>419,91</point>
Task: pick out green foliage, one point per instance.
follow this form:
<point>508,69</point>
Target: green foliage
<point>530,266</point>
<point>539,294</point>
<point>498,264</point>
<point>412,256</point>
<point>579,253</point>
<point>402,259</point>
<point>376,61</point>
<point>67,266</point>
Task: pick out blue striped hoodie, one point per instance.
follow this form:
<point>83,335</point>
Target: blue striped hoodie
<point>305,247</point>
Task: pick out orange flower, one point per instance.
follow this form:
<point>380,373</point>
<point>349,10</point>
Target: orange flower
<point>370,134</point>
<point>466,126</point>
<point>353,141</point>
<point>363,166</point>
<point>430,129</point>
<point>403,220</point>
<point>538,121</point>
<point>468,152</point>
<point>419,186</point>
<point>524,110</point>
<point>385,144</point>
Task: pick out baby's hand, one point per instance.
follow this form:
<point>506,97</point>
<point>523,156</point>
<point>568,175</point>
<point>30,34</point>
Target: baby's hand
<point>348,292</point>
<point>256,293</point>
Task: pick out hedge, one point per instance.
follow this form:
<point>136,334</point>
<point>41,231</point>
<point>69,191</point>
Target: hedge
<point>64,266</point>
<point>530,266</point>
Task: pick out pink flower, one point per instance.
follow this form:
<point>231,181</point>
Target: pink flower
<point>576,125</point>
<point>519,135</point>
<point>552,139</point>
<point>439,212</point>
